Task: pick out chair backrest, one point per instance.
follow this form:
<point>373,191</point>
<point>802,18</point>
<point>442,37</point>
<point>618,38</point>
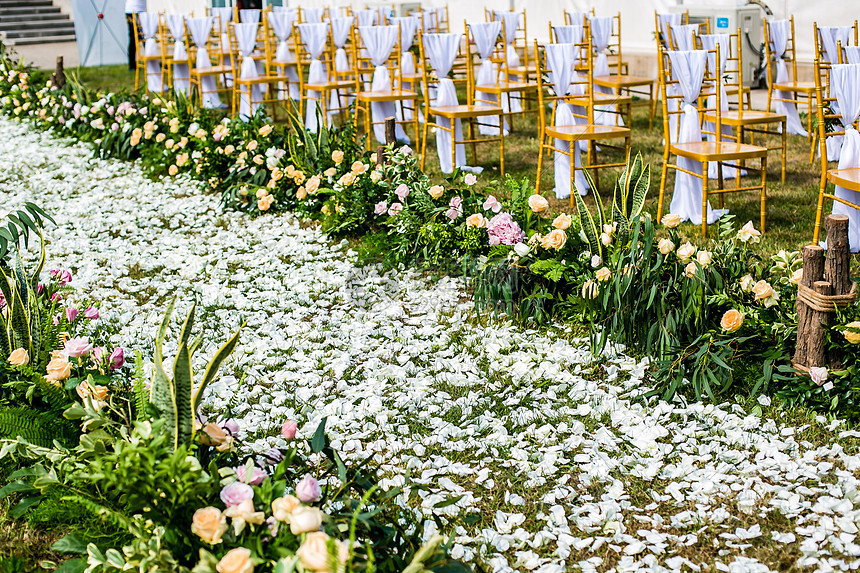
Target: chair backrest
<point>370,40</point>
<point>342,31</point>
<point>779,31</point>
<point>672,89</point>
<point>563,70</point>
<point>304,57</point>
<point>429,73</point>
<point>572,18</point>
<point>683,37</point>
<point>730,52</point>
<point>829,121</point>
<point>662,22</point>
<point>828,40</point>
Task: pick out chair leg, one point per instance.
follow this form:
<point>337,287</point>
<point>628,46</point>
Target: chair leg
<point>784,136</point>
<point>472,137</point>
<point>540,164</point>
<point>424,141</point>
<point>822,187</point>
<point>704,199</point>
<point>763,192</point>
<point>501,148</point>
<point>663,184</point>
<point>720,182</point>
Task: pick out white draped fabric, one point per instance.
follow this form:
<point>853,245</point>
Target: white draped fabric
<point>430,20</point>
<point>282,26</point>
<point>379,41</point>
<point>366,17</point>
<point>314,36</point>
<point>576,18</point>
<point>688,68</point>
<point>569,34</point>
<point>779,31</point>
<point>513,101</point>
<point>852,54</point>
<point>340,29</point>
<point>831,37</point>
<point>246,39</point>
<point>149,29</point>
<point>666,21</point>
<point>684,36</point>
<point>710,42</point>
<point>561,73</point>
<point>176,25</point>
<point>441,50</point>
<point>224,16</point>
<point>845,86</point>
<point>601,34</point>
<point>312,15</point>
<point>199,28</point>
<point>408,26</point>
<point>249,16</point>
<point>484,34</point>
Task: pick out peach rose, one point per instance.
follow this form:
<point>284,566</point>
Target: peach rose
<point>237,560</point>
<point>347,179</point>
<point>747,283</point>
<point>589,289</point>
<point>603,274</point>
<point>764,293</point>
<point>375,176</point>
<point>605,239</point>
<point>538,204</point>
<point>690,270</point>
<point>476,220</point>
<point>58,369</point>
<point>686,251</point>
<point>337,157</point>
<point>330,172</point>
<point>304,519</point>
<point>796,276</point>
<point>265,130</point>
<point>19,357</point>
<point>665,246</point>
<point>94,392</point>
<point>436,191</point>
<point>215,436</point>
<point>315,556</point>
<point>749,233</point>
<point>561,222</point>
<point>172,170</point>
<point>732,320</point>
<point>852,332</point>
<point>671,220</point>
<point>313,184</point>
<point>704,258</point>
<point>282,507</point>
<point>555,239</point>
<point>301,193</point>
<point>252,145</point>
<point>358,168</point>
<point>209,524</point>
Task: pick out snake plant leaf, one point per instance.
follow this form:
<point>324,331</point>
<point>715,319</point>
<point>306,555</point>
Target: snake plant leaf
<point>183,418</point>
<point>214,365</point>
<point>38,212</point>
<point>185,333</point>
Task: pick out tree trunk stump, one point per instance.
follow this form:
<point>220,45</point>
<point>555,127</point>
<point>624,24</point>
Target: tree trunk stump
<point>389,139</point>
<point>813,270</point>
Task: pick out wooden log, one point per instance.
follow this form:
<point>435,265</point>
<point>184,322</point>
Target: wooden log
<point>817,356</point>
<point>58,79</point>
<point>390,138</point>
<point>813,270</point>
<point>837,268</point>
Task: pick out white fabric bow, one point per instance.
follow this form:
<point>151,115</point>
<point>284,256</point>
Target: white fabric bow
<point>314,37</point>
<point>282,26</point>
<point>484,35</point>
<point>779,31</point>
<point>200,29</point>
<point>176,25</point>
<point>379,41</point>
<point>845,85</point>
<point>149,28</point>
<point>246,39</point>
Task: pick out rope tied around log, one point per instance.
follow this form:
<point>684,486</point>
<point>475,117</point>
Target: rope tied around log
<point>826,303</point>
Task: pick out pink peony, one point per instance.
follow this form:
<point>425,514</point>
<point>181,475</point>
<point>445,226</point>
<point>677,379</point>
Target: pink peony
<point>289,429</point>
<point>402,191</point>
<point>235,493</point>
<point>77,347</point>
<point>308,490</point>
<point>71,314</point>
<point>395,209</point>
<point>91,312</point>
<point>503,230</point>
<point>381,207</point>
<point>492,204</point>
<point>256,476</point>
<point>116,359</point>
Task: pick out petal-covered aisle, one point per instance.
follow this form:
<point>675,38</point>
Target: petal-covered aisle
<point>551,462</point>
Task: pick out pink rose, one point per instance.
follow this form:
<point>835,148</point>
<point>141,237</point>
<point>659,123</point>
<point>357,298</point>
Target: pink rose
<point>381,207</point>
<point>55,297</point>
<point>231,426</point>
<point>470,179</point>
<point>308,490</point>
<point>455,202</point>
<point>235,493</point>
<point>256,476</point>
<point>62,277</point>
<point>492,204</point>
<point>116,359</point>
<point>39,290</point>
<point>91,312</point>
<point>818,374</point>
<point>77,347</point>
<point>71,314</point>
<point>289,429</point>
<point>273,457</point>
<point>402,191</point>
<point>452,214</point>
<point>395,209</point>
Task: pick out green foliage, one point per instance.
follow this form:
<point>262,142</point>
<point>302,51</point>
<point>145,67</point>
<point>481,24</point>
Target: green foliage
<point>40,428</point>
<point>20,224</point>
<point>175,397</point>
<point>20,325</point>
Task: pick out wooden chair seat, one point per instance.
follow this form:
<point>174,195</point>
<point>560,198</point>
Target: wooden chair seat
<point>717,151</point>
<point>212,71</point>
<point>599,98</point>
<point>461,111</point>
<point>805,87</point>
<point>848,178</point>
<point>261,80</point>
<point>586,132</point>
<point>505,88</point>
<point>748,117</point>
<point>343,84</point>
<point>387,95</point>
<point>623,81</point>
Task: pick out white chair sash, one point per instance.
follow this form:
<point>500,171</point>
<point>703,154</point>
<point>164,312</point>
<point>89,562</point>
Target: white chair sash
<point>340,29</point>
<point>484,35</point>
<point>249,16</point>
<point>149,29</point>
<point>200,29</point>
<point>831,37</point>
<point>225,16</point>
<point>176,25</point>
<point>511,102</point>
<point>366,17</point>
<point>779,31</point>
<point>246,40</point>
<point>441,50</point>
<point>601,34</point>
<point>688,68</point>
<point>845,86</point>
<point>710,42</point>
<point>685,36</point>
<point>314,36</point>
<point>568,34</point>
<point>282,26</point>
<point>576,18</point>
<point>380,41</point>
<point>408,26</point>
<point>430,23</point>
<point>666,21</point>
<point>562,74</point>
<point>852,54</point>
<point>312,15</point>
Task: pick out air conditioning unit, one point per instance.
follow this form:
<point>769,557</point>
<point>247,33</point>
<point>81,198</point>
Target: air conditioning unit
<point>727,20</point>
